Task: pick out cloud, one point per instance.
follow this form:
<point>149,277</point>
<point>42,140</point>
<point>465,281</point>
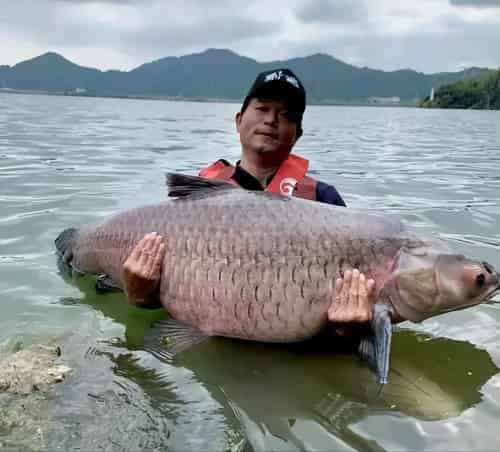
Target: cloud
<point>331,11</point>
<point>146,33</point>
<point>449,43</point>
<point>214,34</point>
<point>435,51</point>
<point>477,3</point>
<point>115,2</point>
<point>428,35</point>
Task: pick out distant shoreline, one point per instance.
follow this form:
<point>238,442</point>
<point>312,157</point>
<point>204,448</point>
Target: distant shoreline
<point>340,103</point>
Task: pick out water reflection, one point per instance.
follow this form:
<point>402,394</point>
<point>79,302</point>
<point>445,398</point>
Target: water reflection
<point>292,397</point>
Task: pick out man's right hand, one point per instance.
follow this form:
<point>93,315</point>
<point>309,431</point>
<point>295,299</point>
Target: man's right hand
<point>141,271</point>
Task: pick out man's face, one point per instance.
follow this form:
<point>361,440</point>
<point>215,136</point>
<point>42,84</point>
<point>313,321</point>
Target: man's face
<point>266,127</point>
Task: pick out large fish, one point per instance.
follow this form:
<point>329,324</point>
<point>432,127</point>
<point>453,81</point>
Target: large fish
<point>262,267</point>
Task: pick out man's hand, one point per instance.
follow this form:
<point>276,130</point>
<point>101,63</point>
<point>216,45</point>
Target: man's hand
<point>353,300</point>
<point>142,269</point>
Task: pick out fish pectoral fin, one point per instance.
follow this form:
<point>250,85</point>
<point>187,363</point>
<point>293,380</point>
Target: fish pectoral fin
<point>169,337</point>
<point>376,348</point>
<point>105,284</point>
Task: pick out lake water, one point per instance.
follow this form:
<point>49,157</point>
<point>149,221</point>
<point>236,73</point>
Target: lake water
<point>66,161</point>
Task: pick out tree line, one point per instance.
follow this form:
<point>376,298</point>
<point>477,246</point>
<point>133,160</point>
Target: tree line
<point>478,93</point>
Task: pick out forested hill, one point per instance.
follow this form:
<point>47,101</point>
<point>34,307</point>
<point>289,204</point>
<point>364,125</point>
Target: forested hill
<point>225,75</point>
<point>479,93</point>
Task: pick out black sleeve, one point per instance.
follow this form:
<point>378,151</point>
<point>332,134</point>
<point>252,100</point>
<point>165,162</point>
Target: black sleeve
<point>328,194</point>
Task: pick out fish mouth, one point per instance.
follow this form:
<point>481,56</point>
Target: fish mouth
<point>493,293</point>
<point>494,286</point>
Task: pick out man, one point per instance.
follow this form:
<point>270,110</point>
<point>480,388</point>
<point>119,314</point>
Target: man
<point>269,124</point>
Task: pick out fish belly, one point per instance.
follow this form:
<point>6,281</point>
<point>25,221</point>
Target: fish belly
<point>268,300</point>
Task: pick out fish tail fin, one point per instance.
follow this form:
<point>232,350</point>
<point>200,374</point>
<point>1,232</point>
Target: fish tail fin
<point>65,242</point>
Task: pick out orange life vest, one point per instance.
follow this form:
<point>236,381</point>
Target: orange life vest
<point>289,180</point>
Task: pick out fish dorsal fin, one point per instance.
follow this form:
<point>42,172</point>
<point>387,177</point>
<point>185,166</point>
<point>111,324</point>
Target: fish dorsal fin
<point>182,185</point>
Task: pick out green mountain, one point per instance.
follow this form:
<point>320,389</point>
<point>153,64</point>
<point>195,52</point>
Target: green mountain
<point>223,74</point>
<point>212,74</point>
<point>53,72</point>
<point>481,92</point>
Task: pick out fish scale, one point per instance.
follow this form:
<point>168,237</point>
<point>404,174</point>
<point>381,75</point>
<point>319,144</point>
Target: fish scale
<point>276,263</point>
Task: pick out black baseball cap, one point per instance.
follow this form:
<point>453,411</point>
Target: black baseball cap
<point>279,84</point>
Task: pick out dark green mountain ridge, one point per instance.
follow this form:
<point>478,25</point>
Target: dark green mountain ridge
<point>223,74</point>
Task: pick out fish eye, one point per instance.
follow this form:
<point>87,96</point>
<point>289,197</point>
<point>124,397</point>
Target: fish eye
<point>480,280</point>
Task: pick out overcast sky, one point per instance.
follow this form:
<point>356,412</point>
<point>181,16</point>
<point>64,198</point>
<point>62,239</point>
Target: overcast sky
<point>425,35</point>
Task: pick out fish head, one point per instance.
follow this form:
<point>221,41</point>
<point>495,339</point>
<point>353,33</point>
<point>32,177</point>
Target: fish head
<point>427,283</point>
<point>464,282</point>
